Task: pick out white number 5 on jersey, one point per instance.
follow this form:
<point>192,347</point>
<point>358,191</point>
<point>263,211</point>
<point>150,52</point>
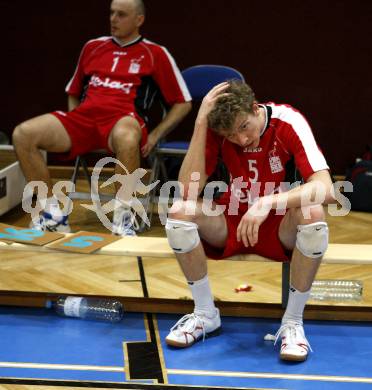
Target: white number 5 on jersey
<point>252,165</point>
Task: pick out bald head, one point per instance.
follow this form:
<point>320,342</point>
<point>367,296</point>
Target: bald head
<point>126,17</point>
<point>139,6</point>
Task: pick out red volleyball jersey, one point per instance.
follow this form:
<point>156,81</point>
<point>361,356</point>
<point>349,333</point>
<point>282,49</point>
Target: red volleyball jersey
<point>115,76</point>
<point>287,135</point>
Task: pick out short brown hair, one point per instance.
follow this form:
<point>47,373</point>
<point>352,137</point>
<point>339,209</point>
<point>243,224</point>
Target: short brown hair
<point>240,100</point>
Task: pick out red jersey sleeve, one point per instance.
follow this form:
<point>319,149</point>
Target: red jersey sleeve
<point>212,149</point>
<point>76,84</point>
<point>297,138</point>
<point>168,77</point>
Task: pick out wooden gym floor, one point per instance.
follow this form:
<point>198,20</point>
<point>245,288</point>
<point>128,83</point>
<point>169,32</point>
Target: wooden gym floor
<point>117,276</point>
<point>66,273</point>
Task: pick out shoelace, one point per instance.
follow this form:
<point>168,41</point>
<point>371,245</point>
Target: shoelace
<point>293,329</point>
<point>188,323</point>
<point>129,222</point>
<point>46,222</point>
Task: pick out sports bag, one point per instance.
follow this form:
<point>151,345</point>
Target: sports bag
<point>360,175</point>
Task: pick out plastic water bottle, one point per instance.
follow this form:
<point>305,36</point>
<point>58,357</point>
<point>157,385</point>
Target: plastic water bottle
<point>337,290</point>
<point>89,308</point>
<point>330,283</point>
<point>335,296</point>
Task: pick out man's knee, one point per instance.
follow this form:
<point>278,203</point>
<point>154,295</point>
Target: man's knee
<point>182,227</point>
<point>307,215</point>
<point>125,137</point>
<point>22,135</point>
<point>183,236</point>
<point>312,233</point>
<point>185,210</point>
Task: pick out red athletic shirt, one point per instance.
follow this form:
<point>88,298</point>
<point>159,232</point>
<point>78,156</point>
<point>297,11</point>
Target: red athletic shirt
<point>118,76</point>
<point>286,134</point>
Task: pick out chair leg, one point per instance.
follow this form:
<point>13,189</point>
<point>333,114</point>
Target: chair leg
<point>286,272</point>
<point>76,170</point>
<point>163,169</point>
<point>80,162</point>
<point>153,177</point>
<point>85,170</point>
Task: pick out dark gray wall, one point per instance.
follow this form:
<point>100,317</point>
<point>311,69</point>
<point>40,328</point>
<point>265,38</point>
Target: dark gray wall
<point>314,55</point>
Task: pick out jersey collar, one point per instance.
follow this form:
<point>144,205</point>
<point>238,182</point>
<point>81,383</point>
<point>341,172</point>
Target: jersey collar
<point>268,112</point>
<point>133,42</point>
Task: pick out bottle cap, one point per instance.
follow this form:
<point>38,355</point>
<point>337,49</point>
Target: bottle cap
<point>48,304</point>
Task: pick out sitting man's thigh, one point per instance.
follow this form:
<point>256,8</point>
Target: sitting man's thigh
<point>212,229</point>
<point>45,132</point>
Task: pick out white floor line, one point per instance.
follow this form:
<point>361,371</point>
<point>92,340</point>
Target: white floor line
<point>77,367</point>
<point>269,375</point>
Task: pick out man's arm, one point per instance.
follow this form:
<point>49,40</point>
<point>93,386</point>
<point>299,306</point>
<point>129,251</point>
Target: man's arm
<point>174,91</point>
<point>318,189</point>
<point>75,86</point>
<point>72,102</point>
<point>194,160</point>
<point>174,116</point>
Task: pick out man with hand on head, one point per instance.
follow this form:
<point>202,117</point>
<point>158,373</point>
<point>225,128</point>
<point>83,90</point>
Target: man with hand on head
<point>255,141</point>
<point>110,86</point>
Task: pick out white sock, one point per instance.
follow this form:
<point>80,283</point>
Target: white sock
<point>296,305</point>
<point>52,208</point>
<point>203,298</point>
<point>120,208</point>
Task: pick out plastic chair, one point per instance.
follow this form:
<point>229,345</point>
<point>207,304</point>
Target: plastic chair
<point>200,79</point>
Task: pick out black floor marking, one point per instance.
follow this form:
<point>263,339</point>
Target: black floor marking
<point>111,385</point>
<point>129,280</point>
<point>143,277</point>
<point>144,361</point>
<point>143,357</point>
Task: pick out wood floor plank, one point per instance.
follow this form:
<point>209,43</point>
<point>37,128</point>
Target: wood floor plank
<point>66,273</point>
<point>42,387</point>
<point>116,275</point>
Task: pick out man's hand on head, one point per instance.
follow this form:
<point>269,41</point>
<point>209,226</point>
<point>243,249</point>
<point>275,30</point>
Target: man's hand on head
<point>210,99</point>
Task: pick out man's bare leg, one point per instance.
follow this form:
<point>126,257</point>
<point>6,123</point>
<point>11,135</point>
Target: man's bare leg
<point>193,263</point>
<point>303,268</point>
<point>211,229</point>
<point>124,140</point>
<point>43,132</point>
<point>303,272</point>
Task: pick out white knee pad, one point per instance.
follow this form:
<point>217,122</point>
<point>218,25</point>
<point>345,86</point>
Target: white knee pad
<point>312,239</point>
<point>182,236</point>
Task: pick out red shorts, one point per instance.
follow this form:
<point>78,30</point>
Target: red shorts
<point>268,244</point>
<point>89,127</point>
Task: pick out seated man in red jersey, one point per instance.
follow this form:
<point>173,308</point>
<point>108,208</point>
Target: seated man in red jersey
<point>254,215</point>
<point>116,71</point>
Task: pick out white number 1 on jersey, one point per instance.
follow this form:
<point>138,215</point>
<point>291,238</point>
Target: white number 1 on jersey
<point>115,63</point>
